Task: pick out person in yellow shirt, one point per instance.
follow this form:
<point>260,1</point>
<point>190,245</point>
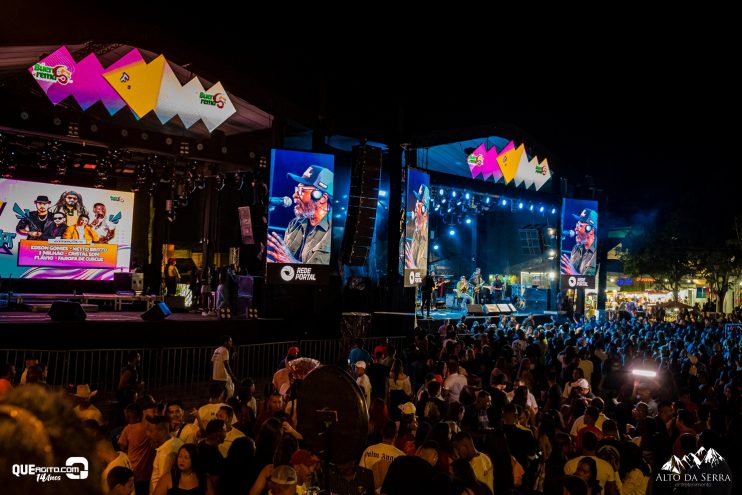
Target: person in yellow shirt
<point>81,231</point>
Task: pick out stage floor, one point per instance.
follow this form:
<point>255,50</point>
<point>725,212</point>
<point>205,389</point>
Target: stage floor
<point>102,316</point>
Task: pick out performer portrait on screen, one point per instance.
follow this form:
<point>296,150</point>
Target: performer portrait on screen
<point>308,237</point>
<point>416,252</point>
<point>33,225</point>
<point>55,229</point>
<point>102,226</point>
<point>81,231</point>
<point>581,261</point>
<point>70,203</point>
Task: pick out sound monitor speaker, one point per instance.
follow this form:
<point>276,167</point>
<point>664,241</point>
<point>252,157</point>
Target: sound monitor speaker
<point>512,308</point>
<point>67,311</point>
<point>363,200</point>
<point>474,309</point>
<point>158,312</point>
<point>491,309</point>
<point>122,282</point>
<point>504,308</point>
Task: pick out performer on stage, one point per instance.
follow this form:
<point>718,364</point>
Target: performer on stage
<point>462,290</point>
<point>498,286</point>
<point>426,287</point>
<point>477,282</point>
<point>440,285</point>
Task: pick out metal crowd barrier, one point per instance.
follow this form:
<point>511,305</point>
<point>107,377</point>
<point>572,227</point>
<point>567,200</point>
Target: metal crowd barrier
<point>174,371</point>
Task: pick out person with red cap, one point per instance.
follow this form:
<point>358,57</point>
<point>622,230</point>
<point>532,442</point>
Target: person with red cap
<point>305,464</point>
<point>291,354</point>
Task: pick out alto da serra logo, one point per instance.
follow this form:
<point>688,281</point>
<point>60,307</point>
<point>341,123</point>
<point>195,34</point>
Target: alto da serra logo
<point>700,468</point>
<point>218,100</point>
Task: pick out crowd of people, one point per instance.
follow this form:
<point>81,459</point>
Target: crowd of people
<point>586,406</point>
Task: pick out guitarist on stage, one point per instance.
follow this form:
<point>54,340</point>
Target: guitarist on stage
<point>477,282</point>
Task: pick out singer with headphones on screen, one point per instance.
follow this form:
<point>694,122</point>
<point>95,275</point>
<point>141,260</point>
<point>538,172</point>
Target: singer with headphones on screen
<point>308,237</point>
<point>581,261</point>
<point>416,252</point>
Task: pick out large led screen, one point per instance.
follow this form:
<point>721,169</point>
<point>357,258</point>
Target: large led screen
<point>579,252</point>
<point>299,241</point>
<point>58,231</point>
<point>416,230</point>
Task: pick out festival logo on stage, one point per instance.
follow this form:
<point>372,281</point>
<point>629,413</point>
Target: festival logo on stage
<point>133,82</point>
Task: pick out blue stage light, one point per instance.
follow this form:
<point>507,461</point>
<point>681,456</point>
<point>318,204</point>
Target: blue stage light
<point>452,232</point>
<point>553,210</point>
<point>467,196</point>
<point>520,205</point>
<point>541,210</point>
<point>453,194</point>
<point>382,194</point>
<point>487,201</point>
<point>443,201</point>
<point>504,202</point>
<point>530,207</point>
<point>468,220</point>
<point>436,247</point>
<point>440,192</point>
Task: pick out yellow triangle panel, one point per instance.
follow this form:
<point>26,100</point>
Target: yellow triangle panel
<point>509,163</point>
<point>138,84</point>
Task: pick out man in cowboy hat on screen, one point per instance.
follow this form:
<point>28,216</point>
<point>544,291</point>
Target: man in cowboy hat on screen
<point>84,408</point>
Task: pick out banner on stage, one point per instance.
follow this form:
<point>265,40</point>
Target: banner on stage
<point>246,225</point>
<point>299,243</point>
<point>579,250</point>
<point>416,229</point>
<point>58,231</point>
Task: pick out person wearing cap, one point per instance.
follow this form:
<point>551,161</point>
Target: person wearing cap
<point>32,224</point>
<point>305,464</point>
<point>416,252</point>
<point>308,237</point>
<point>84,409</point>
<point>70,204</point>
<point>291,354</point>
<point>581,261</point>
<point>283,481</point>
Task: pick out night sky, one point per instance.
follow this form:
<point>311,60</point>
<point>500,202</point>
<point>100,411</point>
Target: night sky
<point>652,131</point>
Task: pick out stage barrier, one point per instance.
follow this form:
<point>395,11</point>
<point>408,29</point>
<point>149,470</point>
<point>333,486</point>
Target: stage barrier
<point>174,371</point>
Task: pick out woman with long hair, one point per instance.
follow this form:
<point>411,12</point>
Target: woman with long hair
<point>400,389</point>
<point>187,475</point>
<point>587,470</point>
<point>635,472</point>
<point>464,480</point>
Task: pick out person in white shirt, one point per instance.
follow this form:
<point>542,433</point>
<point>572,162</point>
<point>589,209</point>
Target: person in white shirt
<point>166,448</point>
<point>221,372</point>
<point>207,412</point>
<point>226,414</point>
<point>363,381</point>
<point>454,382</point>
<point>187,432</point>
<point>384,451</point>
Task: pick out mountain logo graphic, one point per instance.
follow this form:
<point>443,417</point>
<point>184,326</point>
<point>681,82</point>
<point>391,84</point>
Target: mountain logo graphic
<point>709,457</point>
